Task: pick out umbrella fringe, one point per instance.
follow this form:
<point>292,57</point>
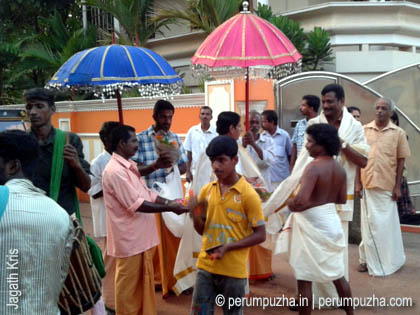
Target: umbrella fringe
<point>109,90</point>
<point>255,72</point>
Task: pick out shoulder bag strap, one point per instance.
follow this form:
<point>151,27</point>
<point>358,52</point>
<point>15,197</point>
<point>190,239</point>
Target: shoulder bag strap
<point>57,163</point>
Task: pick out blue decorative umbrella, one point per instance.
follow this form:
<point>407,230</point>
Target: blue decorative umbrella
<point>107,70</point>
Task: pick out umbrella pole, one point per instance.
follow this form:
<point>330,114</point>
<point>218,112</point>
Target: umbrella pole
<point>247,101</point>
<point>120,113</point>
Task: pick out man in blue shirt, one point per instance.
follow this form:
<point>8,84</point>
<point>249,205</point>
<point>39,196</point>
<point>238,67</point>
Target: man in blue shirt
<point>155,167</point>
<point>151,165</point>
<point>309,109</point>
<point>280,169</point>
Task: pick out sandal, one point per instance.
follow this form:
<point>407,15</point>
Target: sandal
<point>362,268</point>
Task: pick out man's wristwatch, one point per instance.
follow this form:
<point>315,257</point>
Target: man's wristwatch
<point>166,202</point>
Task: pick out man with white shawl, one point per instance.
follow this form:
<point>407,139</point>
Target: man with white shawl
<point>228,123</point>
<point>353,154</point>
<point>381,250</point>
<point>316,236</point>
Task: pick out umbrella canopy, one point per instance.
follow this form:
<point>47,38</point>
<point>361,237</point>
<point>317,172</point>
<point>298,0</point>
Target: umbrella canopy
<point>247,45</point>
<point>246,40</point>
<point>107,70</point>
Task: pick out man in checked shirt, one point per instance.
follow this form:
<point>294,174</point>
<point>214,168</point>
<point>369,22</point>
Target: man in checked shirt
<point>154,169</point>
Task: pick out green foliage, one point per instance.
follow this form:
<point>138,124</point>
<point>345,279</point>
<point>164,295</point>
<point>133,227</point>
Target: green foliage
<point>315,46</point>
<point>54,45</point>
<point>291,29</point>
<point>135,18</point>
<point>203,15</point>
<point>264,11</point>
<point>318,49</point>
<point>22,22</point>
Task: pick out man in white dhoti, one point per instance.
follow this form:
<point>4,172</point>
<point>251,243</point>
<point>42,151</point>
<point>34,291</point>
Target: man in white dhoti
<point>353,154</point>
<point>381,250</point>
<point>316,238</point>
<point>228,123</point>
<point>261,148</point>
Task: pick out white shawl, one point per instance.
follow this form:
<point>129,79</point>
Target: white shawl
<point>275,209</point>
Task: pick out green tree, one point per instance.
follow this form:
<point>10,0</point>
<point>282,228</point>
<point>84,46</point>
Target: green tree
<point>47,51</point>
<point>318,49</point>
<point>9,57</point>
<point>20,24</point>
<point>315,46</point>
<point>291,29</point>
<point>135,18</point>
<point>203,15</point>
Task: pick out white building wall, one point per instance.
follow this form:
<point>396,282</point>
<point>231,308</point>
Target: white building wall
<point>368,38</point>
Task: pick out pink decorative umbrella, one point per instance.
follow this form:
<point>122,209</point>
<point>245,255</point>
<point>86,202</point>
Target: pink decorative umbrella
<point>247,45</point>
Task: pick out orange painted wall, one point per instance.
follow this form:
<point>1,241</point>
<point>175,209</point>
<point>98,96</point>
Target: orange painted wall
<point>140,119</point>
<point>259,90</point>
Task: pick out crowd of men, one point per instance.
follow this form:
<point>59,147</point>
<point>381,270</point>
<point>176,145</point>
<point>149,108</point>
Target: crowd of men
<point>330,159</point>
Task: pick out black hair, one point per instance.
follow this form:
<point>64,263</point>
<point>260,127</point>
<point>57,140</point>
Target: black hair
<point>206,107</point>
<point>162,105</point>
<point>40,94</point>
<point>326,136</point>
<point>352,108</point>
<point>120,133</point>
<point>395,119</point>
<point>312,101</point>
<point>271,116</point>
<point>106,130</point>
<point>18,145</point>
<point>336,88</point>
<point>225,120</point>
<point>222,145</point>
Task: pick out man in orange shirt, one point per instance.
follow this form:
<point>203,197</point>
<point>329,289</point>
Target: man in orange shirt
<point>381,250</point>
<point>131,225</point>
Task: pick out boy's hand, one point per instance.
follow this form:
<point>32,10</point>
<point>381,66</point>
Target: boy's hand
<point>219,252</point>
<point>197,210</point>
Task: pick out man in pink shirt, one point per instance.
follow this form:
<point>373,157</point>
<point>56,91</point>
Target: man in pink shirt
<point>131,225</point>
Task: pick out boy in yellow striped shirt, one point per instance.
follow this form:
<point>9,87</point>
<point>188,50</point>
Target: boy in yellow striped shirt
<point>234,221</point>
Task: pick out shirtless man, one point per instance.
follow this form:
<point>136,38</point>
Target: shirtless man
<point>323,184</point>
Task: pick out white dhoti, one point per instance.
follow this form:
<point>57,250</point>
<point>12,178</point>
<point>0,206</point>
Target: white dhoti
<point>328,289</point>
<point>382,246</point>
<point>316,244</point>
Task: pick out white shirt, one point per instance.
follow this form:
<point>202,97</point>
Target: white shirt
<point>36,239</point>
<point>197,141</point>
<point>98,205</point>
<point>266,144</point>
<point>280,169</point>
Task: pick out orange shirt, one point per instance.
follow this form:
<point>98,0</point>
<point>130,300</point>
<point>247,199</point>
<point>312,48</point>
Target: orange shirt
<point>128,232</point>
<point>386,146</point>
